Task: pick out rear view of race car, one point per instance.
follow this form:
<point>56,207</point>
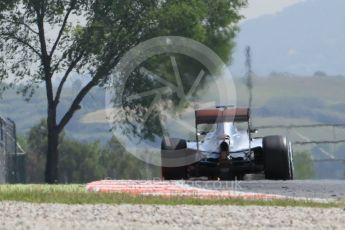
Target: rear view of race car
<point>227,151</point>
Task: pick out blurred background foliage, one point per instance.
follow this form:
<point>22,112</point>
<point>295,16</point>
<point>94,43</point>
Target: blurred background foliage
<point>82,161</point>
<point>279,99</point>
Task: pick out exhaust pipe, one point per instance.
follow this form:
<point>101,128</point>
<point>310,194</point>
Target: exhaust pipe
<point>224,147</point>
<point>224,150</point>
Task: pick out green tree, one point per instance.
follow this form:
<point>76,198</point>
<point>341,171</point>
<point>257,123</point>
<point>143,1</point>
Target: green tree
<point>80,162</point>
<point>35,146</point>
<point>303,165</point>
<point>42,40</point>
<point>122,165</point>
<point>210,22</point>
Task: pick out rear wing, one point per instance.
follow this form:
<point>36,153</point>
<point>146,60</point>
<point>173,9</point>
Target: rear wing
<point>212,116</point>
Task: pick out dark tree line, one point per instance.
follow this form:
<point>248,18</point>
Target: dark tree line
<point>82,162</point>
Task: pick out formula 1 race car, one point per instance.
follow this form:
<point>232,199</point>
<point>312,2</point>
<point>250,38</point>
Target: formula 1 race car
<point>228,151</point>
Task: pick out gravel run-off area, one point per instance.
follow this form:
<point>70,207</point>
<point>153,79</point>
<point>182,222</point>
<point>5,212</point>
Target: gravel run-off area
<point>19,215</point>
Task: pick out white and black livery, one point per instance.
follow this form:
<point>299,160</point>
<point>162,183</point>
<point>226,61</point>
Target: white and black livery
<point>228,151</point>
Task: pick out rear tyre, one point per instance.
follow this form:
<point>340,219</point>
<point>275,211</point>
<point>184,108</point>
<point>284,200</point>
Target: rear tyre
<point>172,173</point>
<point>277,158</point>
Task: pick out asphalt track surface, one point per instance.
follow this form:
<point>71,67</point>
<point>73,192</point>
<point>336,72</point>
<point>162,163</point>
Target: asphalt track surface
<point>323,189</point>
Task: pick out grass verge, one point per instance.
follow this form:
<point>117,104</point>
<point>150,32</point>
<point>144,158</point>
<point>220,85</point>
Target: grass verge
<point>77,194</point>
